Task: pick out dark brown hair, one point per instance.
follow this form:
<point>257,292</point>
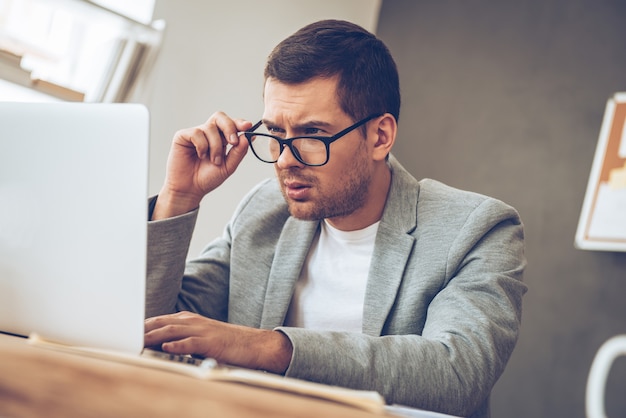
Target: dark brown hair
<point>368,78</point>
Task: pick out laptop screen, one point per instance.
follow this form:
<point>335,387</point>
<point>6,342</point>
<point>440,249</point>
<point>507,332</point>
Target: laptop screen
<point>73,204</point>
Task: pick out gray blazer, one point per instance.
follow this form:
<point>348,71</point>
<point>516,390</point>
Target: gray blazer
<point>442,306</point>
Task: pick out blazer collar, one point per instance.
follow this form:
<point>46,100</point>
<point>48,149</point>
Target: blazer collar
<point>291,251</point>
<point>392,249</point>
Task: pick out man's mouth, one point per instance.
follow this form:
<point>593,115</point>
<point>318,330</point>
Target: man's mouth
<point>296,190</point>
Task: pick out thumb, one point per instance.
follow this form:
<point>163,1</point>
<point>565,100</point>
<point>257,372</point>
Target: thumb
<point>235,155</point>
<point>242,124</point>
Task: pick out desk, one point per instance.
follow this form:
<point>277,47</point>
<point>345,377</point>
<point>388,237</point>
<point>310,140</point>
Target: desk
<point>36,382</point>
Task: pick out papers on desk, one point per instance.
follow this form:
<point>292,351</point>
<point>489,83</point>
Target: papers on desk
<point>406,412</point>
<point>210,370</point>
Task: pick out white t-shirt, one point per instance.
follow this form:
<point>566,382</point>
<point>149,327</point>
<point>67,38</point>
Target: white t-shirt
<point>330,292</point>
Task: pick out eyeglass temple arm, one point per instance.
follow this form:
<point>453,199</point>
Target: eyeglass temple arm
<point>252,129</point>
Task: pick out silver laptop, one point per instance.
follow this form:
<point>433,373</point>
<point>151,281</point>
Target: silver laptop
<point>73,204</point>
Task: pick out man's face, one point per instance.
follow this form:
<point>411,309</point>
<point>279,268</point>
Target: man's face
<point>337,189</point>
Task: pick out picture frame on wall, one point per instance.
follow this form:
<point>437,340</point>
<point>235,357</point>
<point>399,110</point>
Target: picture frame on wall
<point>602,223</point>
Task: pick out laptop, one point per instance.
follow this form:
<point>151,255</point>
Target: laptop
<point>73,204</point>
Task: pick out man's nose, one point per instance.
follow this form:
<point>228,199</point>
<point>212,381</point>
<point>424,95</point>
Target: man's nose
<point>286,159</point>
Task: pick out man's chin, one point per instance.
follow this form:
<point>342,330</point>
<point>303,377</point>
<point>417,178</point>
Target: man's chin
<point>303,211</point>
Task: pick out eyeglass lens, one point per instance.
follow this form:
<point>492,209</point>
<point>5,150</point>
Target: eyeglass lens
<point>308,150</point>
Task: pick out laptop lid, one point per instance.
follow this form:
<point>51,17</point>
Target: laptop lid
<point>73,204</point>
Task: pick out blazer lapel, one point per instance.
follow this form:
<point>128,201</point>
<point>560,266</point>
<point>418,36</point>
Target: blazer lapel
<point>291,251</point>
<point>392,249</point>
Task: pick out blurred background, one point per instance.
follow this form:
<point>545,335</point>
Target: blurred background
<point>503,98</point>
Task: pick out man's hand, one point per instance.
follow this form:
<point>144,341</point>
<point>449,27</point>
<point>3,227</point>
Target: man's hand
<point>189,333</point>
<point>199,162</point>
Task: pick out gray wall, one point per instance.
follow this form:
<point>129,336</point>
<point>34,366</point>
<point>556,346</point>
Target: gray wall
<point>506,98</point>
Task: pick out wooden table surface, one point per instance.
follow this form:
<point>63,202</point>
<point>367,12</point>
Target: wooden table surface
<point>38,382</point>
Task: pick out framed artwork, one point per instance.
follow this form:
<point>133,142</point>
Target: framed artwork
<point>602,224</point>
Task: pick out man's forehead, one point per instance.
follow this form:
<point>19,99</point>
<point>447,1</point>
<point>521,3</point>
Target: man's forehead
<point>313,99</point>
<point>313,87</point>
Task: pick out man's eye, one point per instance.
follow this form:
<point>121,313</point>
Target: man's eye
<point>275,131</point>
<point>312,131</point>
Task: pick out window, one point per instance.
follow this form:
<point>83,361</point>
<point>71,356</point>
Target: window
<point>78,50</point>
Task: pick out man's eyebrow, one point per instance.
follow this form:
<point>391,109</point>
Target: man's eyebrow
<point>302,125</point>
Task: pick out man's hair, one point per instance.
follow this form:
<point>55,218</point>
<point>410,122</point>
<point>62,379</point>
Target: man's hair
<point>368,80</point>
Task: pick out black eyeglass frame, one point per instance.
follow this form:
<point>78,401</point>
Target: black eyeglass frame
<point>288,142</point>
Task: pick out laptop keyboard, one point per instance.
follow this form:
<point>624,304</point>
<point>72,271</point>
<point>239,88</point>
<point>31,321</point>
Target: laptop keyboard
<point>203,363</point>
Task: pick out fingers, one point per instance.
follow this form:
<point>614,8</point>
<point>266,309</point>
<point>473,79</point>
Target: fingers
<point>188,345</point>
<point>220,130</point>
<point>183,333</point>
<point>212,138</point>
<point>159,322</point>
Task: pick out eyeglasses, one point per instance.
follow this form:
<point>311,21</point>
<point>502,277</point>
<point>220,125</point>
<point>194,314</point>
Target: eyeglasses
<point>310,150</point>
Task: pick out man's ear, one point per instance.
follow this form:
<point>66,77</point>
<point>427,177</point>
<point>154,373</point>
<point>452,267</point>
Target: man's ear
<point>385,135</point>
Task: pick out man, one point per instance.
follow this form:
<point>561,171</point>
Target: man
<point>344,269</point>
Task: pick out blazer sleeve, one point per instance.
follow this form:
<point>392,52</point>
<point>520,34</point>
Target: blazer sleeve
<point>168,243</point>
<point>471,326</point>
<point>200,285</point>
<point>172,283</point>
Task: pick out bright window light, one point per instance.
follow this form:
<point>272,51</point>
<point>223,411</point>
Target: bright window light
<point>140,10</point>
<point>92,48</point>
